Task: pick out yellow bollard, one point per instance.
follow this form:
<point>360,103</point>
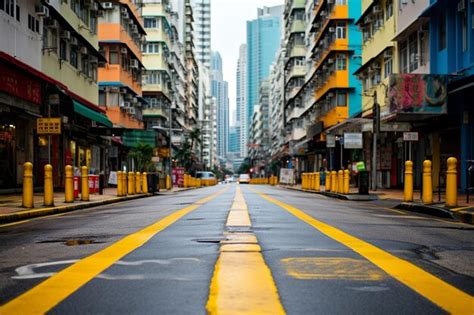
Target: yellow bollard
<point>48,198</point>
<point>124,183</point>
<point>346,182</point>
<point>334,181</point>
<point>328,181</point>
<point>27,200</point>
<point>185,182</point>
<point>84,183</point>
<point>168,182</point>
<point>131,184</point>
<point>340,181</point>
<point>317,180</point>
<point>144,183</point>
<point>138,183</point>
<point>427,183</point>
<point>408,189</point>
<point>451,183</point>
<point>119,183</point>
<point>69,184</point>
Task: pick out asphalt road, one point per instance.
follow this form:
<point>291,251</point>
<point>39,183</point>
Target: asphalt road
<point>182,254</point>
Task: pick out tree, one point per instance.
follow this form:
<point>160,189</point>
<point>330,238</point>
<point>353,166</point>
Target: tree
<point>195,137</point>
<point>142,155</point>
<point>244,167</point>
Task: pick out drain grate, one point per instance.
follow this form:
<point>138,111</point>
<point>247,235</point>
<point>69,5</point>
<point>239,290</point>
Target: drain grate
<point>210,240</point>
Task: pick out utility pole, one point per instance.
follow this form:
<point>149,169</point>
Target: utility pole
<point>375,131</point>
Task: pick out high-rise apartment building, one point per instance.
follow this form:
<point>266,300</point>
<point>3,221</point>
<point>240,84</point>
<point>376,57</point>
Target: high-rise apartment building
<point>263,40</point>
<point>219,90</point>
<point>202,30</point>
<point>241,100</point>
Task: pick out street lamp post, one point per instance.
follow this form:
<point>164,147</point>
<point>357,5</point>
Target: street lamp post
<point>170,114</point>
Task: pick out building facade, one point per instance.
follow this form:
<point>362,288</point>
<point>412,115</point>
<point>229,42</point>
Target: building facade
<point>263,40</point>
<point>241,100</point>
<point>202,31</point>
<point>219,90</point>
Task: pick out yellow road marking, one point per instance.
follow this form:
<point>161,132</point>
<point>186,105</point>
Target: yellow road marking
<point>434,289</point>
<point>332,268</point>
<point>242,283</point>
<point>52,291</point>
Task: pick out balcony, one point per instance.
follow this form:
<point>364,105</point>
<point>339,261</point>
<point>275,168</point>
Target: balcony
<point>158,111</point>
<point>296,71</point>
<point>115,73</point>
<point>113,32</point>
<point>121,118</point>
<point>334,116</point>
<point>298,26</point>
<point>295,134</point>
<point>297,51</point>
<point>295,4</point>
<point>295,113</point>
<point>337,79</point>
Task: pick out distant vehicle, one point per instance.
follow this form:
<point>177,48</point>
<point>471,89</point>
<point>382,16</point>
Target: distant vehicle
<point>207,178</point>
<point>244,179</point>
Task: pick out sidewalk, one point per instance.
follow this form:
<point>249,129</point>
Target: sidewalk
<point>464,211</point>
<point>12,211</point>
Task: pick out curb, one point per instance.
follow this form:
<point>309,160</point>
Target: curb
<point>35,213</point>
<point>425,209</point>
<point>465,216</point>
<point>351,197</point>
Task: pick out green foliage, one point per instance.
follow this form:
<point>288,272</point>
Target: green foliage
<point>244,167</point>
<point>142,155</point>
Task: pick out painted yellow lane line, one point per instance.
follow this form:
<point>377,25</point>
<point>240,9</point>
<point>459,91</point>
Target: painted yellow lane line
<point>432,288</point>
<point>52,291</point>
<point>242,282</point>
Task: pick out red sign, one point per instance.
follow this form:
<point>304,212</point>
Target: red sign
<point>178,176</point>
<point>19,84</point>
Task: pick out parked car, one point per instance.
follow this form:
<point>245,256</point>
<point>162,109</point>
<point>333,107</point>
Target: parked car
<point>244,179</point>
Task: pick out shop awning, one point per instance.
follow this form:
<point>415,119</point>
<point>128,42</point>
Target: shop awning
<point>131,138</point>
<point>91,114</point>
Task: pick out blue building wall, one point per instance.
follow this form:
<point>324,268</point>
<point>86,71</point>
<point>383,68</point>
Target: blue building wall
<point>458,61</point>
<point>263,40</point>
<point>355,60</point>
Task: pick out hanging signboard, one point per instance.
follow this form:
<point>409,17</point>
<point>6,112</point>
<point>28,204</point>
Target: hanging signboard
<point>353,140</point>
<point>330,141</point>
<point>410,136</point>
<point>48,126</point>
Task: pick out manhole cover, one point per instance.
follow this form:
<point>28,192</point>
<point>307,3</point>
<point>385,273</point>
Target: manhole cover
<point>210,240</point>
<point>72,241</point>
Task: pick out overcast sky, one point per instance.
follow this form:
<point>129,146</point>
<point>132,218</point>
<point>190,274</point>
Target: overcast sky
<point>229,30</point>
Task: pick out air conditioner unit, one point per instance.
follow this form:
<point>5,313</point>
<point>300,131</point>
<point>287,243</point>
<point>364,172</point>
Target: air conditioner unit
<point>330,61</point>
<point>123,50</point>
<point>134,64</point>
<point>131,110</point>
<point>65,35</point>
<point>332,29</point>
<point>134,100</point>
<point>107,5</point>
<point>73,41</point>
<point>134,28</point>
<point>42,10</point>
<point>323,13</point>
<point>50,23</point>
<point>127,104</point>
<point>377,9</point>
<point>123,11</point>
<point>83,50</point>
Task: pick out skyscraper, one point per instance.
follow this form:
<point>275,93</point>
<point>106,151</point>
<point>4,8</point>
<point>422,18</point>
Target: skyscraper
<point>219,90</point>
<point>202,30</point>
<point>263,41</point>
<point>241,103</point>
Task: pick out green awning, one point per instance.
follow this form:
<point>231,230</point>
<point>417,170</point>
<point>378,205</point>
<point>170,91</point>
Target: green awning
<point>91,114</point>
<point>131,138</point>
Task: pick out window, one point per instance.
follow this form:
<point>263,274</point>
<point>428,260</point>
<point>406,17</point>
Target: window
<point>18,13</point>
<point>62,49</point>
<point>150,22</point>
<point>413,51</point>
<point>442,32</point>
<point>113,57</point>
<point>387,67</point>
<point>33,23</point>
<point>388,9</point>
<point>341,98</point>
<point>340,30</point>
<point>151,48</point>
<point>102,98</point>
<point>85,64</point>
<point>464,30</point>
<point>341,2</point>
<point>73,56</point>
<point>341,62</point>
<point>403,57</point>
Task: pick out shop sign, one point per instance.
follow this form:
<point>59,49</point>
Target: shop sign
<point>330,141</point>
<point>20,85</point>
<point>286,175</point>
<point>178,176</point>
<point>353,140</point>
<point>418,93</point>
<point>410,136</point>
<point>48,126</point>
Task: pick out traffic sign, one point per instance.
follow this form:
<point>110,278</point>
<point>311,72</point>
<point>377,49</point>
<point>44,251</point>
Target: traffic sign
<point>410,136</point>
